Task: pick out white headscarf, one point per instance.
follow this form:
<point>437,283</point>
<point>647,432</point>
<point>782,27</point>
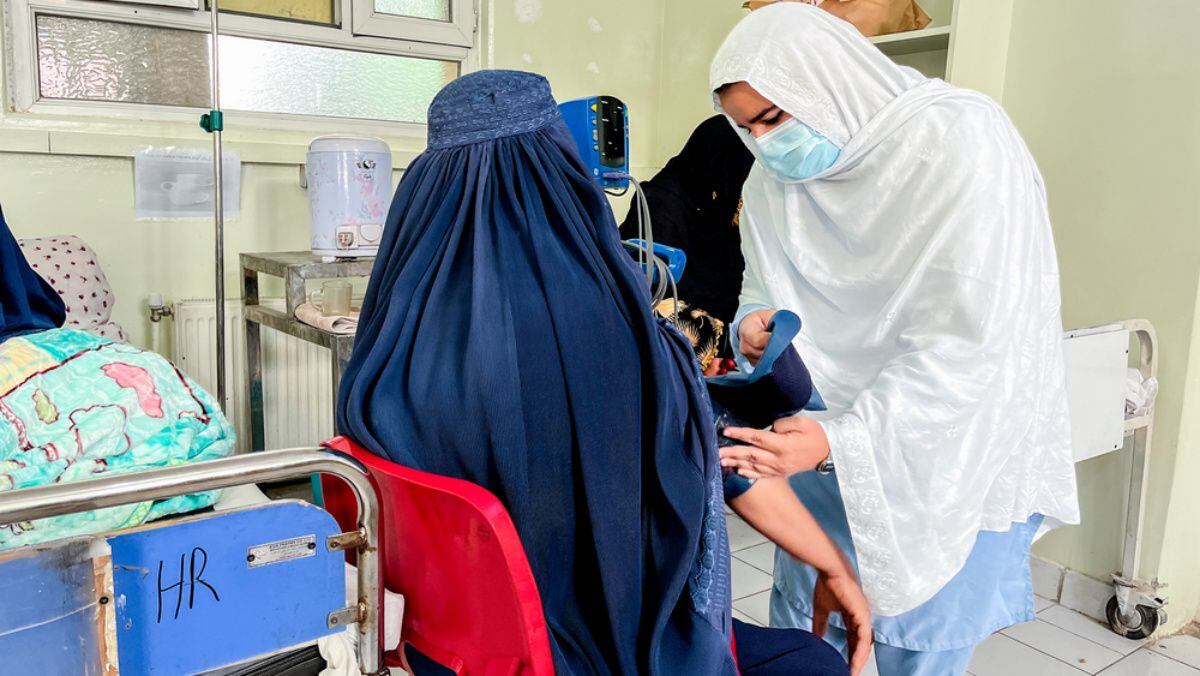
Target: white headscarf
<point>923,266</point>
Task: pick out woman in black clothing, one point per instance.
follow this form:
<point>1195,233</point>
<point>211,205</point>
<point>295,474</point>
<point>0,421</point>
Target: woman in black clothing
<point>694,203</point>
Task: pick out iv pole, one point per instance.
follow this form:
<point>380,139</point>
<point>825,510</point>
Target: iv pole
<point>213,122</point>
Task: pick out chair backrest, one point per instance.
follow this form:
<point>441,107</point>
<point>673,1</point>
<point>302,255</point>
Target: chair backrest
<point>471,603</point>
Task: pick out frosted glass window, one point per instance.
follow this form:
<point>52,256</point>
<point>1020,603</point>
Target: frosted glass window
<point>278,77</point>
<point>84,59</point>
<point>88,60</point>
<point>438,10</point>
<point>309,11</point>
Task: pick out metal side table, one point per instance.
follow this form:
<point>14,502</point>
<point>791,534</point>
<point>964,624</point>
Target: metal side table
<point>295,268</point>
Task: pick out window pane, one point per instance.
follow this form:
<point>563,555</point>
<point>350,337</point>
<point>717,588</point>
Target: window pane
<point>90,60</point>
<point>82,59</point>
<point>438,10</point>
<point>285,78</point>
<point>309,11</point>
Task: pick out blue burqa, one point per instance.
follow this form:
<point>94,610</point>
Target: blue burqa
<point>506,339</point>
<point>27,303</point>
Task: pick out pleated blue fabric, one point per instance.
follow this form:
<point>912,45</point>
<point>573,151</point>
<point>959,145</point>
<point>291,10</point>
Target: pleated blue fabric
<point>506,339</point>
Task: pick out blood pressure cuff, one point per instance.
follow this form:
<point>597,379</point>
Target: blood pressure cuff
<point>733,484</point>
<point>778,387</point>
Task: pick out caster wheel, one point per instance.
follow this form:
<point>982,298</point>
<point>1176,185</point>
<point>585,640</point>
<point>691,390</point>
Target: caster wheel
<point>1143,626</point>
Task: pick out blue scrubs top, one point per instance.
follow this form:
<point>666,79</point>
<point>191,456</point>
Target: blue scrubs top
<point>993,590</point>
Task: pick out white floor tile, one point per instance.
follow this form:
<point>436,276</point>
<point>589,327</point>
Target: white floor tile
<point>1047,578</point>
<point>1004,656</point>
<point>1041,603</point>
<point>739,615</point>
<point>741,535</point>
<point>756,607</point>
<point>1147,663</point>
<point>748,580</point>
<point>1184,649</point>
<point>1062,644</point>
<point>761,557</point>
<point>1082,625</point>
<point>1085,595</point>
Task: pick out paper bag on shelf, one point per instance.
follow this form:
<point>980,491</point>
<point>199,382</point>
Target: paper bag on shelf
<point>871,17</point>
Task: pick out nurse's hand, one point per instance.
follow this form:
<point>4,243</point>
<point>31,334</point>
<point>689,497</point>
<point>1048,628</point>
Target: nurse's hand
<point>795,444</point>
<point>753,334</point>
<point>840,593</point>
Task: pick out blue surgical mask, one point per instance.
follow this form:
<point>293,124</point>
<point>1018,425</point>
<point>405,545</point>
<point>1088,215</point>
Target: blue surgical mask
<point>794,151</point>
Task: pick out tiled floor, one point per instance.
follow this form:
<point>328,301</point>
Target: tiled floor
<point>1060,642</point>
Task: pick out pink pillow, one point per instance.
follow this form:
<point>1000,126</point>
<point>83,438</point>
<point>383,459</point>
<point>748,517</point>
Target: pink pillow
<point>70,266</point>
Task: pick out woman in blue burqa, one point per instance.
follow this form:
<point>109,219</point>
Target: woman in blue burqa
<point>506,338</point>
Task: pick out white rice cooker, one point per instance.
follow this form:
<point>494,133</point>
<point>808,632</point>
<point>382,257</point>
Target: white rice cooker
<point>349,192</point>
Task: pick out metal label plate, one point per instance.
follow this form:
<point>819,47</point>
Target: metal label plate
<point>281,551</point>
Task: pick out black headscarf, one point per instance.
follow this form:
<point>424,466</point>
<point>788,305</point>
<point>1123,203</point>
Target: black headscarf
<point>694,203</point>
<point>27,302</point>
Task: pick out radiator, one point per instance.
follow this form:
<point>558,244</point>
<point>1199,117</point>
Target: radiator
<point>297,391</point>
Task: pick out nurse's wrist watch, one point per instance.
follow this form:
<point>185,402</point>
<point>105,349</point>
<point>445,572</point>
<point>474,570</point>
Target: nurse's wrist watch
<point>826,465</point>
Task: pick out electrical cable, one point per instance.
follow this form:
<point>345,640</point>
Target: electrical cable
<point>658,271</point>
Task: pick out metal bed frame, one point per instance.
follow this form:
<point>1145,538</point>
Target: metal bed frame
<point>55,500</point>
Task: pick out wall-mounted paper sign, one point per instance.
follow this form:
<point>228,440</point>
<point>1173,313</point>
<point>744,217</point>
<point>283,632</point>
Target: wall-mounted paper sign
<point>176,183</point>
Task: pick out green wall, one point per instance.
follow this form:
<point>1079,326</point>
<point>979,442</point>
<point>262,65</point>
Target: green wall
<point>586,49</point>
<point>1110,114</point>
<point>92,197</point>
<point>696,30</point>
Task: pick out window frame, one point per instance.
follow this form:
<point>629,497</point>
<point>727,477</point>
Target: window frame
<point>185,4</point>
<point>23,73</point>
<point>459,31</point>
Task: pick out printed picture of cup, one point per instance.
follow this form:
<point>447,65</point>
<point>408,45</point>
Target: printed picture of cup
<point>189,189</point>
<point>333,300</point>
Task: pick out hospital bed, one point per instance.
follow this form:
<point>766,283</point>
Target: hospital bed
<point>1097,364</point>
<point>114,571</point>
<point>193,594</point>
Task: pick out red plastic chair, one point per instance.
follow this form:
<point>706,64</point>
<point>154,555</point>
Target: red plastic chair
<point>471,604</point>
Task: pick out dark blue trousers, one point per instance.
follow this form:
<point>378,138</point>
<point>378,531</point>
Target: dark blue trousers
<point>785,652</point>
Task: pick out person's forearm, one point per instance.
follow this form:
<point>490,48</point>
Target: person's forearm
<point>774,510</point>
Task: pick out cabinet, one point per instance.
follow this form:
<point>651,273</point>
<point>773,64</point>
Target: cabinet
<point>966,44</point>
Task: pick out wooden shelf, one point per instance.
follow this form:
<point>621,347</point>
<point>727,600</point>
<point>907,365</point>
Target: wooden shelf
<point>910,42</point>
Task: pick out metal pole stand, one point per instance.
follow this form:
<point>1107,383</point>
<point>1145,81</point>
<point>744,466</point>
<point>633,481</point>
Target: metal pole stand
<point>213,122</point>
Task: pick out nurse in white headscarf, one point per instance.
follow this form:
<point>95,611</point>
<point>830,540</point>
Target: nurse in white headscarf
<point>905,221</point>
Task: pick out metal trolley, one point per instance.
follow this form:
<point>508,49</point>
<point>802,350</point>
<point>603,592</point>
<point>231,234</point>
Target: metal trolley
<point>1097,360</point>
<point>1136,609</point>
